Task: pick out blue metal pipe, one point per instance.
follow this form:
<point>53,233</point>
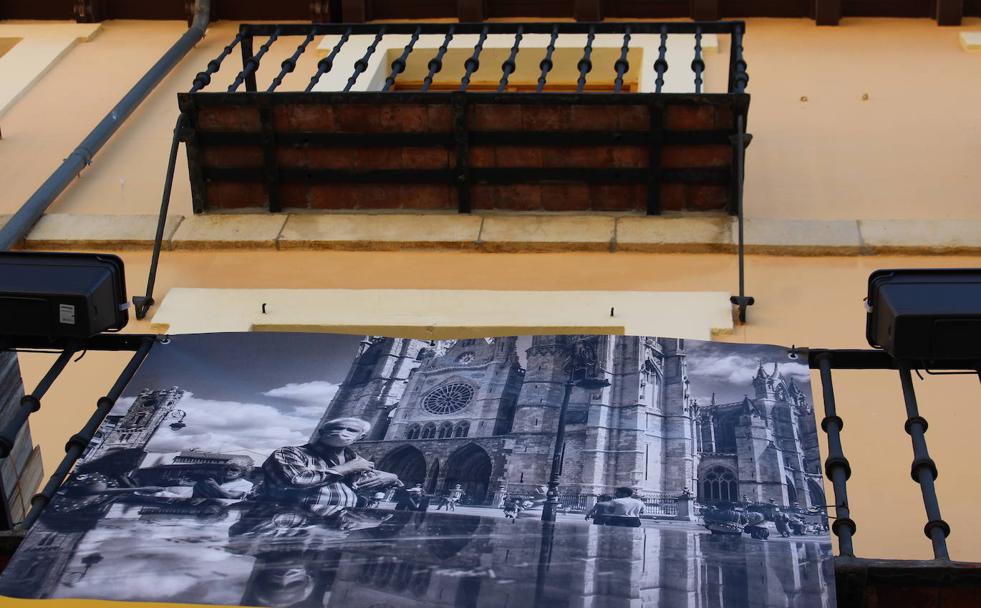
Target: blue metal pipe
<point>31,211</point>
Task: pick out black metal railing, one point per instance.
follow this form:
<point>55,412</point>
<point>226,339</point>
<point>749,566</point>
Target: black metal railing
<point>923,470</point>
<point>737,77</point>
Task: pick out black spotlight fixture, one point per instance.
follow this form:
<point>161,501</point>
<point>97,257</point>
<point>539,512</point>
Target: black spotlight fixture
<point>61,295</point>
<point>925,315</point>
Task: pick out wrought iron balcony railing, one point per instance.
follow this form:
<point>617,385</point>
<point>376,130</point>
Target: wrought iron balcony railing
<point>619,132</point>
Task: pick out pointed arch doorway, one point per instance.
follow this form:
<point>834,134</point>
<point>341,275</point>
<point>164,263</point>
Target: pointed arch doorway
<point>470,466</point>
<point>407,463</point>
<point>432,478</point>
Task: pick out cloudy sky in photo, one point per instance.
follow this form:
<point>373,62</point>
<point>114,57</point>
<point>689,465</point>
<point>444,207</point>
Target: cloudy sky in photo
<point>728,369</point>
<point>246,393</point>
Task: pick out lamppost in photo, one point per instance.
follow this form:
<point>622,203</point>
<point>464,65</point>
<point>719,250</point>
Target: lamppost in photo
<point>582,370</point>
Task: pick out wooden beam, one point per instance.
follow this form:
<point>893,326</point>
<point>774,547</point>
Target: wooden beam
<point>354,11</point>
<point>827,12</point>
<point>705,10</point>
<point>471,10</point>
<point>588,10</point>
<point>950,12</point>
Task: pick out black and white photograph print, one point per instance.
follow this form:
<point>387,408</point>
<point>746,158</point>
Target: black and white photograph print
<point>321,470</point>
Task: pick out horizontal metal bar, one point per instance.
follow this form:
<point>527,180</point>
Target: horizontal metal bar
<point>877,359</point>
<point>101,342</point>
<point>477,138</point>
<point>517,175</point>
<point>636,27</point>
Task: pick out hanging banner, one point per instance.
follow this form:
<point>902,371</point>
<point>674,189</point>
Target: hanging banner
<point>303,470</point>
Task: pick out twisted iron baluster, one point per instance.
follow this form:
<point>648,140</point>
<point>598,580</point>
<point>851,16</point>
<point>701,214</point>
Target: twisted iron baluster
<point>697,65</point>
<point>507,68</point>
<point>739,76</point>
<point>546,64</point>
<point>586,64</point>
<point>289,64</point>
<point>661,65</point>
<point>924,470</point>
<point>325,64</point>
<point>622,66</point>
<point>836,466</point>
<point>253,63</point>
<point>362,64</point>
<point>203,79</point>
<point>436,63</point>
<point>398,66</point>
<point>473,63</point>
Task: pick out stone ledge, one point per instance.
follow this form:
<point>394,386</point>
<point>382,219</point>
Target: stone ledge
<point>799,237</point>
<point>533,233</point>
<point>360,232</point>
<point>659,234</point>
<point>921,236</point>
<point>78,231</point>
<point>254,231</point>
<point>971,41</point>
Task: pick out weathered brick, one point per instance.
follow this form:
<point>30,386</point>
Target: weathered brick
<point>426,158</point>
<point>440,117</point>
<point>378,158</point>
<point>565,197</point>
<point>412,118</point>
<point>518,156</point>
<point>302,117</point>
<point>231,156</point>
<point>696,156</point>
<point>496,117</point>
<point>357,118</point>
<point>615,197</point>
<point>634,118</point>
<point>482,156</point>
<point>672,197</point>
<point>229,118</point>
<point>376,196</point>
<point>294,196</point>
<point>631,156</point>
<point>316,158</point>
<point>331,196</point>
<point>579,156</point>
<point>482,196</point>
<point>595,118</point>
<point>690,117</point>
<point>888,595</point>
<point>545,117</point>
<point>235,195</point>
<point>518,197</point>
<point>701,197</point>
<point>428,196</point>
<point>724,118</point>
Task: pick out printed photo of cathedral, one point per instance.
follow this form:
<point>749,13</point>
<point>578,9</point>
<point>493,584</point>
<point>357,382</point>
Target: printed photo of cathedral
<point>483,414</point>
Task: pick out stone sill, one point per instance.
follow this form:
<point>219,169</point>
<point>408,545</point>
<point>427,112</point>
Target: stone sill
<point>508,233</point>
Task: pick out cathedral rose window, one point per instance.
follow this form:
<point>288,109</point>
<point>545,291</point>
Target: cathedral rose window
<point>465,358</point>
<point>448,398</point>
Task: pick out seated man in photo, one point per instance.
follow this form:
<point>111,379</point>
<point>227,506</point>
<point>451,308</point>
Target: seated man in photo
<point>624,509</point>
<point>325,475</point>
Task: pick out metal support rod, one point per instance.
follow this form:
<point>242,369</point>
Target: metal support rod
<point>252,66</point>
<point>585,64</point>
<point>698,64</point>
<point>551,506</point>
<point>924,470</point>
<point>32,403</point>
<point>740,141</point>
<point>143,304</point>
<point>661,65</point>
<point>325,64</point>
<point>622,66</point>
<point>473,63</point>
<point>436,63</point>
<point>509,65</point>
<point>398,66</point>
<point>362,64</point>
<point>836,466</point>
<point>31,211</point>
<point>289,64</point>
<point>78,442</point>
<point>546,64</point>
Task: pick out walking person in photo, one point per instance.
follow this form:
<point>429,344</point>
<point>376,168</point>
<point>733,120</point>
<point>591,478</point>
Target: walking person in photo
<point>625,509</point>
